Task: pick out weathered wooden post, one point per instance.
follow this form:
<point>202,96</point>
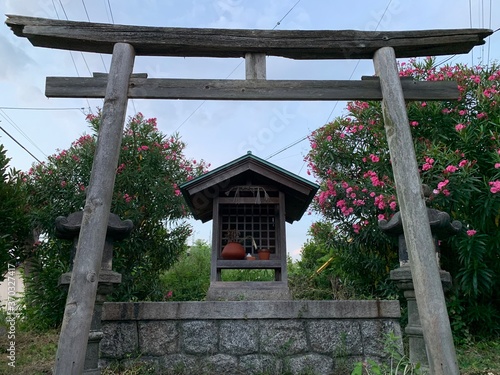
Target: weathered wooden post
<point>441,227</point>
<point>83,287</point>
<point>424,267</point>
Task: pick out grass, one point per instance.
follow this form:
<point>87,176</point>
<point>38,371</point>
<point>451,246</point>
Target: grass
<point>35,353</point>
<point>480,358</point>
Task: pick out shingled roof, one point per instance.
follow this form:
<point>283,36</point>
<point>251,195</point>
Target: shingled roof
<point>200,192</point>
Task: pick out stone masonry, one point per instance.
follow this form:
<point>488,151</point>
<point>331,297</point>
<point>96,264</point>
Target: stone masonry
<point>248,337</point>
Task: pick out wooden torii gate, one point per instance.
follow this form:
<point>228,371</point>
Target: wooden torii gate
<point>124,42</point>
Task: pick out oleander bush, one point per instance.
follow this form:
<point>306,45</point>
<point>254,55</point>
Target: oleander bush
<point>457,145</point>
<point>150,168</point>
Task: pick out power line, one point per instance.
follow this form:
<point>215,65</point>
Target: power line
<point>113,22</point>
<point>18,128</point>
<point>489,26</point>
<point>470,25</point>
<point>279,22</point>
<point>287,147</point>
<point>70,53</point>
<point>336,103</point>
<point>111,13</point>
<point>237,66</point>
<point>20,145</point>
<point>88,18</point>
<point>44,108</point>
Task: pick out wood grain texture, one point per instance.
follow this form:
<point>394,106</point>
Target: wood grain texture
<point>424,268</point>
<point>80,302</point>
<point>206,89</point>
<point>294,44</point>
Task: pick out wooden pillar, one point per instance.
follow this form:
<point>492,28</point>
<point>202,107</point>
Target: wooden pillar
<point>424,268</point>
<point>255,66</point>
<point>83,287</point>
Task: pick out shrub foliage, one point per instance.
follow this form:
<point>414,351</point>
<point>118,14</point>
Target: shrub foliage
<point>146,191</point>
<point>457,146</point>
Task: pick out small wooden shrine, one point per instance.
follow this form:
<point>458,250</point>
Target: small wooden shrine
<point>253,199</point>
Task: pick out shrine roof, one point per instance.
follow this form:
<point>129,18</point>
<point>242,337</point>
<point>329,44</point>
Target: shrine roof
<point>200,192</point>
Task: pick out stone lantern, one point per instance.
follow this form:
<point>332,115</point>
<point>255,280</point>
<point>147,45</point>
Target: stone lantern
<point>441,228</point>
<point>254,198</point>
<point>69,228</point>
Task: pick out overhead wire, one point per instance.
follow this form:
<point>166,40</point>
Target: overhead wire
<point>111,13</point>
<point>45,108</point>
<point>18,128</point>
<point>113,22</point>
<point>20,145</point>
<point>470,25</point>
<point>70,53</point>
<point>489,26</point>
<point>232,71</point>
<point>88,18</point>
<point>336,103</point>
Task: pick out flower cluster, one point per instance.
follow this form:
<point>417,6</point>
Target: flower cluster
<point>457,145</point>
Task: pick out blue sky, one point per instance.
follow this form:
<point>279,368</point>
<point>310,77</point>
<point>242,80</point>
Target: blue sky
<point>215,131</point>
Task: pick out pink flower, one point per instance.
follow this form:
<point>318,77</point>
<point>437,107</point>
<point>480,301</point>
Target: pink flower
<point>381,217</point>
<point>340,203</point>
<point>414,123</point>
<point>426,166</point>
<point>459,127</point>
<point>424,104</point>
<point>462,112</point>
<point>374,158</point>
<point>63,183</point>
<point>127,198</point>
<point>428,163</point>
<point>495,186</point>
<point>379,202</point>
<point>463,163</point>
<point>471,232</point>
<point>356,227</point>
<point>450,169</point>
<point>481,115</point>
<point>497,165</point>
<point>442,184</point>
<point>329,138</point>
<point>358,202</point>
<point>322,198</point>
<point>393,205</point>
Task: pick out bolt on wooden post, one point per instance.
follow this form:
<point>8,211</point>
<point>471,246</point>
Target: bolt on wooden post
<point>83,287</point>
<point>424,268</point>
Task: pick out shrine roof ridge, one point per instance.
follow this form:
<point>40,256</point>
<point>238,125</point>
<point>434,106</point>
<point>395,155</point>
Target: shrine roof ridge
<point>248,156</point>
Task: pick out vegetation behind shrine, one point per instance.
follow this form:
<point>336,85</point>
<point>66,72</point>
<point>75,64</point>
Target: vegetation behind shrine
<point>458,151</point>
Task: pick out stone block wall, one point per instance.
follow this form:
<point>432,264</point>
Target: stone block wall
<point>248,337</point>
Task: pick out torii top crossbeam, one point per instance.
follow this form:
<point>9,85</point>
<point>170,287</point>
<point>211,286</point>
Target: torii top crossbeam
<point>294,44</point>
<point>124,42</point>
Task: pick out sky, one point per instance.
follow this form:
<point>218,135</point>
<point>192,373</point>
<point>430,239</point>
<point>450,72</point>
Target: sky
<point>215,131</point>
